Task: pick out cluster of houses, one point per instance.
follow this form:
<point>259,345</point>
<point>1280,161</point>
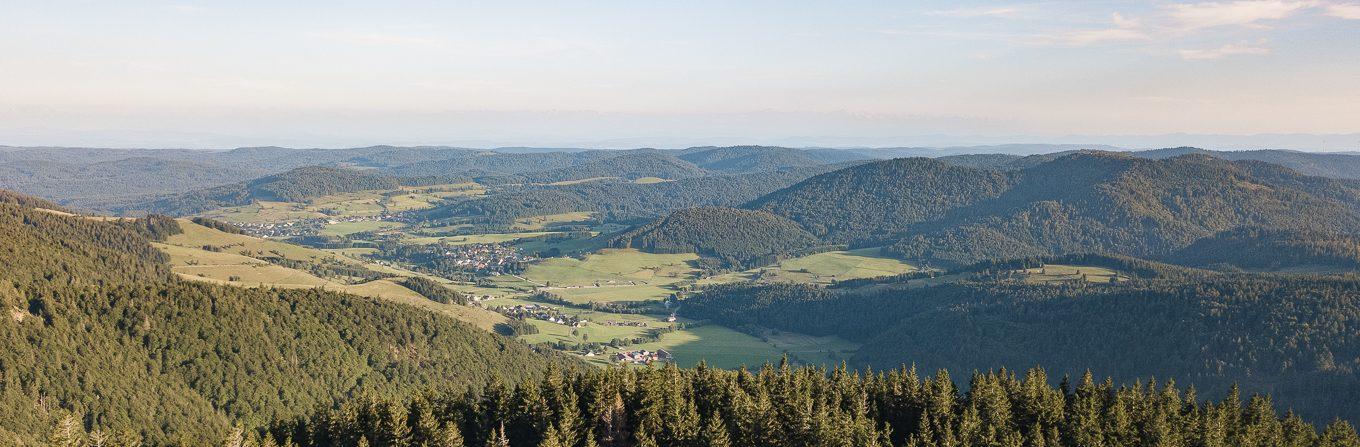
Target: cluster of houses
<point>286,229</point>
<point>308,227</point>
<point>625,323</point>
<point>642,356</point>
<point>485,258</point>
<point>541,312</point>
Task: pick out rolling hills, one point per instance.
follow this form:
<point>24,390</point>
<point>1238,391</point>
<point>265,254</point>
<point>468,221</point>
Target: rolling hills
<point>1083,202</point>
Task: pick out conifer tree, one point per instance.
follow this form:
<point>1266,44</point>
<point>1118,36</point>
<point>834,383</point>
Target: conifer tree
<point>449,436</point>
<point>68,432</point>
<point>497,437</point>
<point>552,438</point>
<point>714,433</point>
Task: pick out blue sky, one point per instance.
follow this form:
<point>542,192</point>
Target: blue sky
<point>213,74</point>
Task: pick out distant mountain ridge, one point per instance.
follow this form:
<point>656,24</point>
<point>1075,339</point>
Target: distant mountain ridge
<point>295,185</point>
<point>1340,165</point>
<point>1083,202</point>
<point>121,179</point>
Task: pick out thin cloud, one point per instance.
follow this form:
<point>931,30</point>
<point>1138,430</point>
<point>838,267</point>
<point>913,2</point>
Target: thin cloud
<point>1238,13</point>
<point>1348,11</point>
<point>996,11</point>
<point>1223,51</point>
<point>1123,30</point>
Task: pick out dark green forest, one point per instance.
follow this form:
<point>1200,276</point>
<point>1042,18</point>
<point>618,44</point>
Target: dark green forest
<point>1080,203</point>
<point>1297,338</point>
<point>97,330</point>
<point>781,406</point>
<point>736,238</point>
<point>1255,248</point>
<point>627,201</point>
<point>436,292</point>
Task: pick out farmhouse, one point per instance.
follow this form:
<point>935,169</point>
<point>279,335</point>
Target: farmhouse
<point>642,356</point>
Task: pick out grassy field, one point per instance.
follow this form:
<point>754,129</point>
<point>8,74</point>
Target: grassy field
<point>363,203</point>
<point>348,228</point>
<point>580,181</point>
<point>808,349</point>
<point>820,268</point>
<point>197,236</point>
<point>538,223</point>
<point>609,294</point>
<point>650,180</point>
<point>491,238</point>
<point>190,261</point>
<point>1057,272</point>
<point>612,275</point>
<point>716,345</point>
<point>841,265</point>
<point>262,212</point>
<point>574,246</point>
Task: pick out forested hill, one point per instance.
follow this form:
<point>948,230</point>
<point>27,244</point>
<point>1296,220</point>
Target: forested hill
<point>295,185</point>
<point>632,165</point>
<point>98,336</point>
<point>1296,338</point>
<point>1340,166</point>
<point>1262,249</point>
<point>40,242</point>
<point>735,238</point>
<point>741,159</point>
<point>626,201</point>
<point>1332,165</point>
<point>1084,202</point>
<point>881,198</point>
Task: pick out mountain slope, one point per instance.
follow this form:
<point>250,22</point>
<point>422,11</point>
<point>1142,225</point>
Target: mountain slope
<point>295,185</point>
<point>741,159</point>
<point>1296,338</point>
<point>1083,202</point>
<point>1253,248</point>
<point>1101,202</point>
<point>880,198</point>
<point>628,166</point>
<point>627,201</point>
<point>734,237</point>
<point>1333,165</point>
<point>95,324</point>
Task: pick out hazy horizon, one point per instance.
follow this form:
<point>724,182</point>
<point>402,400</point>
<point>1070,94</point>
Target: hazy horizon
<point>1246,74</point>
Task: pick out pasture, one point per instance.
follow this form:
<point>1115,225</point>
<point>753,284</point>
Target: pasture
<point>1057,273</point>
<point>348,228</point>
<point>820,268</point>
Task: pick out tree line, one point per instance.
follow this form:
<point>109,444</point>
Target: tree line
<point>784,406</point>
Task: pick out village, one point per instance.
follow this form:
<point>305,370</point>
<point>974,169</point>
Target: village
<point>486,258</point>
<point>284,229</point>
<point>540,312</point>
<point>642,356</point>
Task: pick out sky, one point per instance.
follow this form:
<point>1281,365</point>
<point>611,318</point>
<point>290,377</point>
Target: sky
<point>667,74</point>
